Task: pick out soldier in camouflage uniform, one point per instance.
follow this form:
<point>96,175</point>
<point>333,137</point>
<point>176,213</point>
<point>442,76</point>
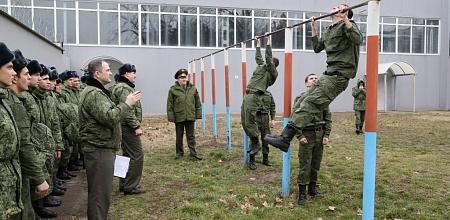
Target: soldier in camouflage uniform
<point>264,76</point>
<point>10,172</point>
<point>359,105</point>
<point>265,119</point>
<point>116,77</point>
<point>341,42</point>
<point>100,136</point>
<point>183,108</point>
<point>312,138</point>
<point>30,166</point>
<point>131,131</point>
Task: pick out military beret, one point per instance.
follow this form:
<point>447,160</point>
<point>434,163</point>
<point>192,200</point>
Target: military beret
<point>53,74</point>
<point>84,77</point>
<point>45,70</point>
<point>34,67</point>
<point>6,55</point>
<point>116,77</point>
<point>181,73</point>
<point>20,62</point>
<point>126,68</point>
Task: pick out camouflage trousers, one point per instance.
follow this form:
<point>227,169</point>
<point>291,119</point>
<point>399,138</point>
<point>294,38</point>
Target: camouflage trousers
<point>249,107</point>
<point>310,156</point>
<point>360,117</point>
<point>317,99</point>
<point>263,123</point>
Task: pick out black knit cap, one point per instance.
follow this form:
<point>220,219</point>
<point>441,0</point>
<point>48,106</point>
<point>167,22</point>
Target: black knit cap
<point>45,70</point>
<point>181,73</point>
<point>6,55</point>
<point>126,68</point>
<point>34,67</point>
<point>20,62</point>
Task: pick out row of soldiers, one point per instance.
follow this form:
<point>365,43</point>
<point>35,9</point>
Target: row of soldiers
<point>39,143</point>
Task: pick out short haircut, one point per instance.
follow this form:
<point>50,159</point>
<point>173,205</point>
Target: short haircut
<point>311,74</point>
<point>95,65</point>
<point>276,61</point>
<point>350,12</point>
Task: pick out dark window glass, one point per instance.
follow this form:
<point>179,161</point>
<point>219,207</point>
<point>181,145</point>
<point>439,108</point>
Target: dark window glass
<point>404,20</point>
<point>87,5</point>
<point>297,42</point>
<point>226,31</point>
<point>128,7</point>
<point>169,9</point>
<point>389,38</point>
<point>149,29</point>
<point>432,22</point>
<point>188,30</point>
<point>262,13</point>
<point>43,3</point>
<point>261,27</point>
<point>149,8</point>
<point>108,6</point>
<point>129,29</point>
<point>188,10</point>
<point>88,27</point>
<point>243,12</point>
<point>404,39</point>
<point>65,4</point>
<point>278,38</point>
<point>5,9</point>
<point>418,21</point>
<point>244,30</point>
<point>363,29</point>
<point>207,31</point>
<point>226,11</point>
<point>44,23</point>
<point>23,15</point>
<point>432,40</point>
<point>66,26</point>
<point>296,15</point>
<point>279,14</point>
<point>418,39</point>
<point>109,28</point>
<point>169,30</point>
<point>209,11</point>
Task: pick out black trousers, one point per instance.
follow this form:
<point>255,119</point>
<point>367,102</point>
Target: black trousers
<point>190,136</point>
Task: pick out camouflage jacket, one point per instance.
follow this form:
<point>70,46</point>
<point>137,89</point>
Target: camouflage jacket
<point>183,104</point>
<point>27,152</point>
<point>359,103</point>
<point>265,73</point>
<point>320,120</point>
<point>342,47</point>
<point>119,94</point>
<point>68,115</point>
<point>30,104</point>
<point>49,115</point>
<point>10,173</point>
<point>69,95</point>
<point>267,104</point>
<point>100,117</point>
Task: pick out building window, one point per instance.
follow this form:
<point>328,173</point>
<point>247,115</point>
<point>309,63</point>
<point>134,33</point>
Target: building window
<point>109,28</point>
<point>44,23</point>
<point>88,27</point>
<point>188,30</point>
<point>129,28</point>
<point>66,26</point>
<point>298,36</point>
<point>207,31</point>
<point>149,29</point>
<point>432,36</point>
<point>169,30</point>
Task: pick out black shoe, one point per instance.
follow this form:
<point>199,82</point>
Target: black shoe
<point>57,192</point>
<point>313,192</point>
<point>54,199</point>
<point>301,195</point>
<point>196,157</point>
<point>134,191</point>
<point>70,173</point>
<point>45,213</point>
<point>60,181</point>
<point>60,186</point>
<point>282,141</point>
<point>254,149</point>
<point>266,160</point>
<point>61,174</point>
<point>78,162</point>
<point>178,155</point>
<point>72,167</point>
<point>48,202</point>
<point>357,131</point>
<point>36,217</point>
<point>252,166</point>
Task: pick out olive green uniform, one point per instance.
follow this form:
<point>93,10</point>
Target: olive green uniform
<point>131,144</point>
<point>265,114</point>
<point>359,105</point>
<point>30,166</point>
<point>10,172</point>
<point>69,95</point>
<point>183,108</point>
<point>100,136</point>
<point>264,76</point>
<point>342,48</point>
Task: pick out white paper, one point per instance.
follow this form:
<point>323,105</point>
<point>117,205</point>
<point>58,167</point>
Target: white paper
<point>121,165</point>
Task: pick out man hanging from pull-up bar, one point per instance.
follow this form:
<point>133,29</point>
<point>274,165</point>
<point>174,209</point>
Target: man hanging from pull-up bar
<point>264,76</point>
<point>341,42</point>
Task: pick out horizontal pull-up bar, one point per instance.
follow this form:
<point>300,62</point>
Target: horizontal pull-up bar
<point>282,29</point>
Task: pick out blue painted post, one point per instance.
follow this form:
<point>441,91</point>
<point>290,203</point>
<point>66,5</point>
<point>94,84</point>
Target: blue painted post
<point>202,73</point>
<point>213,85</point>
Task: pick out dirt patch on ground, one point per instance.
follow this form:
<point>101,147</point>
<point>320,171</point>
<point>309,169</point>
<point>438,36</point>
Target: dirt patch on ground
<point>74,201</point>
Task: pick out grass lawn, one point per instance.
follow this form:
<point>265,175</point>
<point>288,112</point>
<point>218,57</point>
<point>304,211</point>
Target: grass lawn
<point>412,179</point>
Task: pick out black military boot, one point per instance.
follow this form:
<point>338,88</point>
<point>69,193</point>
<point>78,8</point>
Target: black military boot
<point>70,173</point>
<point>72,167</point>
<point>36,217</point>
<point>48,202</point>
<point>312,190</point>
<point>252,164</point>
<point>266,160</point>
<point>61,174</point>
<point>282,141</point>
<point>59,185</point>
<point>41,211</point>
<point>361,129</point>
<point>57,192</point>
<point>255,147</point>
<point>357,129</point>
<point>301,194</point>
